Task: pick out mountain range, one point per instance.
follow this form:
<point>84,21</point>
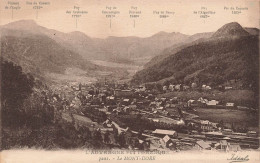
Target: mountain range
<point>39,49</point>
<point>232,52</point>
<point>212,57</point>
<point>115,49</point>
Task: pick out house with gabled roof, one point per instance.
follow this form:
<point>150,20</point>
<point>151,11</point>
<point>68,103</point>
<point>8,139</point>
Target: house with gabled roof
<point>170,133</point>
<point>202,145</point>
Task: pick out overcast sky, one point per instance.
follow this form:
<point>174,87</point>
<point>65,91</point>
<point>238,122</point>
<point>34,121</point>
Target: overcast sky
<point>95,24</point>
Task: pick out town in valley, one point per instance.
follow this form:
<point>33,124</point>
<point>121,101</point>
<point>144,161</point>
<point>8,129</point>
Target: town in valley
<point>187,93</point>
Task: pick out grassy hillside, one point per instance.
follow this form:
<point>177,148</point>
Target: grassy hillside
<point>191,40</point>
<point>39,53</point>
<point>214,61</point>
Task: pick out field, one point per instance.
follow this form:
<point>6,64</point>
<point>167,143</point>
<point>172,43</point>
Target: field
<point>131,68</point>
<point>238,117</point>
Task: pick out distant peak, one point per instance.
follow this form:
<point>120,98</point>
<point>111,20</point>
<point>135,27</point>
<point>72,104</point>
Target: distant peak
<point>230,29</point>
<point>160,33</point>
<point>233,24</point>
<point>24,22</point>
<point>79,34</point>
<point>166,34</point>
<point>29,25</point>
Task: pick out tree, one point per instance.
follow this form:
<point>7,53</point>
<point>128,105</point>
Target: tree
<point>121,139</point>
<point>91,92</point>
<point>221,124</point>
<point>97,135</point>
<point>140,133</point>
<point>115,133</point>
<point>16,86</point>
<point>233,127</point>
<point>106,137</point>
<point>85,132</point>
<point>158,86</point>
<point>149,86</point>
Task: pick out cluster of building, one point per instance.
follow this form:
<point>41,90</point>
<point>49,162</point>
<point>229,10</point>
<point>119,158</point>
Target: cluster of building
<point>192,86</point>
<point>120,100</point>
<point>205,103</point>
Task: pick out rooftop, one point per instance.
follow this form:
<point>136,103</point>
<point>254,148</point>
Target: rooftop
<point>203,144</point>
<point>164,132</point>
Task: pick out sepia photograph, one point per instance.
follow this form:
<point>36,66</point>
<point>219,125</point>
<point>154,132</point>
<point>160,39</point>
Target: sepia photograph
<point>121,81</point>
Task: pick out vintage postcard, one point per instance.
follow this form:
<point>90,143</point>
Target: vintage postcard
<point>129,80</point>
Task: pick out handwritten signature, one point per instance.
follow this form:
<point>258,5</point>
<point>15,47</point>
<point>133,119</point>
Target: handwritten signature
<point>237,158</point>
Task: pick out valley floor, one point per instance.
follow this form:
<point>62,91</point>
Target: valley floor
<point>229,116</point>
